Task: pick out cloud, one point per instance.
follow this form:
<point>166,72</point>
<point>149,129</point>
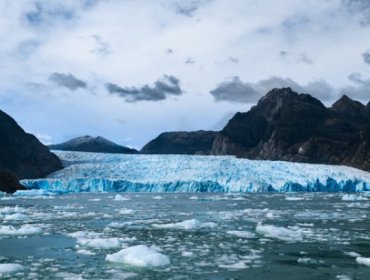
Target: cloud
<point>67,80</point>
<point>187,8</point>
<point>189,60</point>
<point>366,57</point>
<point>167,86</point>
<point>295,23</point>
<point>360,89</point>
<point>233,59</point>
<point>102,47</point>
<point>42,37</point>
<point>357,78</point>
<point>295,58</point>
<point>304,58</point>
<point>26,48</point>
<point>359,6</point>
<point>42,13</point>
<point>48,13</point>
<point>235,90</point>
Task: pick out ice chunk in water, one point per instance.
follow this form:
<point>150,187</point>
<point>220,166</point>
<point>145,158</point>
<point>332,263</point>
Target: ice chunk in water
<point>280,233</point>
<point>119,197</point>
<point>23,230</point>
<point>100,243</point>
<point>353,197</point>
<point>187,225</point>
<point>241,233</point>
<point>364,261</point>
<point>139,255</point>
<point>10,268</point>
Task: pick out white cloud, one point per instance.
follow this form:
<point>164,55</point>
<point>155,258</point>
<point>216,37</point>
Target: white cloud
<point>126,42</point>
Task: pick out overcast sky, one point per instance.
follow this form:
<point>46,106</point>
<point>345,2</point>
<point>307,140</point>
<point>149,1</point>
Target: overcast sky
<point>130,69</point>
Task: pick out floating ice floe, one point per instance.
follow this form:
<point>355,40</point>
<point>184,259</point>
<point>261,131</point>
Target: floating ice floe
<point>6,268</point>
<point>352,254</point>
<point>85,252</point>
<point>280,233</point>
<point>343,277</point>
<point>241,233</point>
<point>306,261</point>
<point>93,172</point>
<point>364,261</point>
<point>186,225</point>
<point>119,225</point>
<point>294,198</point>
<point>234,266</point>
<point>126,211</point>
<point>100,243</point>
<point>353,197</point>
<point>15,217</point>
<point>139,255</point>
<point>187,254</point>
<point>119,197</point>
<point>11,210</point>
<point>22,230</point>
<point>69,276</point>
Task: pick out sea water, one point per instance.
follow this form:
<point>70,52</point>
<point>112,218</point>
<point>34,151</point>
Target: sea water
<point>185,236</point>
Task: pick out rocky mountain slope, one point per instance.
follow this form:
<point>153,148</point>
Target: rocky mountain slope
<point>288,126</point>
<point>180,142</point>
<point>21,154</point>
<point>9,183</point>
<point>91,144</point>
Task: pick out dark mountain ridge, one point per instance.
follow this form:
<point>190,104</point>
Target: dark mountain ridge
<point>90,144</point>
<point>285,125</point>
<point>22,155</point>
<point>181,142</point>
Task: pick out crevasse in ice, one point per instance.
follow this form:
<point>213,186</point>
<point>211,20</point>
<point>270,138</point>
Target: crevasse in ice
<point>93,172</point>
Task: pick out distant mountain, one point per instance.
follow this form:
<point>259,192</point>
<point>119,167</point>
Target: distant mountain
<point>196,142</point>
<point>91,144</point>
<point>22,155</point>
<point>288,126</point>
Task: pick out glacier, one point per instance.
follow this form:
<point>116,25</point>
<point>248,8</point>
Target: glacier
<point>97,172</point>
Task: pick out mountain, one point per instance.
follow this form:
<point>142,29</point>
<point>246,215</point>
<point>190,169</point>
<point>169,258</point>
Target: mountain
<point>180,142</point>
<point>288,126</point>
<point>91,144</point>
<point>21,154</point>
<point>9,183</point>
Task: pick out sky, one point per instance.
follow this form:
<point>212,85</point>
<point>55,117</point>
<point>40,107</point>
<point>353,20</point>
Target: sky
<point>130,69</point>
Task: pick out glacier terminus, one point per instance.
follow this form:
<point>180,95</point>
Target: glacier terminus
<point>96,172</point>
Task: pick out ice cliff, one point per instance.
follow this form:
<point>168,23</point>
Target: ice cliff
<point>93,172</point>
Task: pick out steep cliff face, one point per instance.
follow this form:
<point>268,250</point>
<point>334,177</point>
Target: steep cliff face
<point>285,125</point>
<point>196,142</point>
<point>90,144</point>
<point>22,154</point>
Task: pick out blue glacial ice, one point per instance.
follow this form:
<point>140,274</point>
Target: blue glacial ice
<point>92,172</point>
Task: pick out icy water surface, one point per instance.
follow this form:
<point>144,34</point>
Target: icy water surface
<point>185,236</point>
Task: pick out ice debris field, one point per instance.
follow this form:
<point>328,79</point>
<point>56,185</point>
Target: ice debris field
<point>92,172</point>
<point>280,236</point>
